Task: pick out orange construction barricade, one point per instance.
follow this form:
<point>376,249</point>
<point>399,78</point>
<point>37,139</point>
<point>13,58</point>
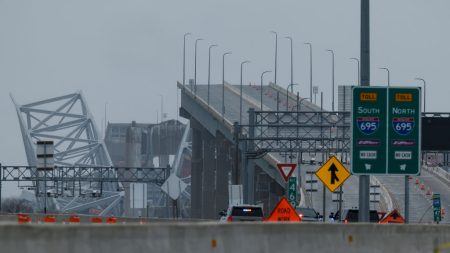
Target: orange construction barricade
<point>96,220</point>
<point>23,218</point>
<point>74,219</point>
<point>49,219</point>
<point>111,220</point>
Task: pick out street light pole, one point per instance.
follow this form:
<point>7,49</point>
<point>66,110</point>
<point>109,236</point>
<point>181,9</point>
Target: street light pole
<point>310,71</point>
<point>262,75</point>
<point>388,76</point>
<point>240,99</point>
<point>292,64</point>
<point>223,83</point>
<point>209,68</point>
<point>276,54</point>
<point>359,76</point>
<point>424,93</point>
<point>332,73</point>
<point>184,57</point>
<point>195,66</point>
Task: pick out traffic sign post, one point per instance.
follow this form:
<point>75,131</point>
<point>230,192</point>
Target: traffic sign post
<point>386,131</point>
<point>292,191</point>
<point>437,207</point>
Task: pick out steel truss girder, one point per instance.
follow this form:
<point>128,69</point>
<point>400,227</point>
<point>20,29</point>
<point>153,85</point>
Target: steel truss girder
<point>292,131</point>
<point>68,122</point>
<point>86,174</point>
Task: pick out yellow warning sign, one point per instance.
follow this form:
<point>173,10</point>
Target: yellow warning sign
<point>333,174</point>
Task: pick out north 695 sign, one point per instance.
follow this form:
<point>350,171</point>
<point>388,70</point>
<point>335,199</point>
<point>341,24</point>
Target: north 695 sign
<point>403,126</point>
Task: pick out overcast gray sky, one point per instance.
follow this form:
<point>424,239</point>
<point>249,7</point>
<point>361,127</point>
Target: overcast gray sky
<point>128,53</point>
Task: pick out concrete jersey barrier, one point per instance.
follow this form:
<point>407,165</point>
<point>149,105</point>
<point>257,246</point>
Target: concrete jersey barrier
<point>233,237</point>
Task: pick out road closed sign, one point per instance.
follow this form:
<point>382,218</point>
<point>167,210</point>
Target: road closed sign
<point>284,212</point>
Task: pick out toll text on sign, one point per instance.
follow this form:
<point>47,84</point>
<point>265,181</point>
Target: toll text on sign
<point>403,97</point>
<point>368,96</point>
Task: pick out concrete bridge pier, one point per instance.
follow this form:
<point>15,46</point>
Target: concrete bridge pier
<point>209,175</point>
<point>196,170</point>
<point>223,172</point>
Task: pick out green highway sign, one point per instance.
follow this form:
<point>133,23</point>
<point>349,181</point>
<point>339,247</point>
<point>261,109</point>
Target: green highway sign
<point>404,125</point>
<point>386,127</point>
<point>292,191</point>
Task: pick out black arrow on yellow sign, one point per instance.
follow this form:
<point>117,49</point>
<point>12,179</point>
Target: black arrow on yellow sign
<point>333,171</point>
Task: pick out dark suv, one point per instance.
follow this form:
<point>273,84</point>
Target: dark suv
<point>351,215</point>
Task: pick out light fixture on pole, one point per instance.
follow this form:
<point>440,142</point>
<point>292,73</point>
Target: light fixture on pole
<point>359,75</point>
<point>209,68</point>
<point>184,57</point>
<point>195,66</point>
<point>388,76</point>
<point>276,54</point>
<point>332,80</point>
<point>310,72</point>
<point>240,99</point>
<point>424,93</point>
<point>223,82</point>
<point>262,75</point>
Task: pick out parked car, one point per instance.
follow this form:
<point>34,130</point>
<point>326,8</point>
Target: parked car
<point>352,215</point>
<point>242,213</point>
<point>308,214</point>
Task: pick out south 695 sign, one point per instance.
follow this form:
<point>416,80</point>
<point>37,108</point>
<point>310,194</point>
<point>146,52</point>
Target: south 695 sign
<point>368,125</point>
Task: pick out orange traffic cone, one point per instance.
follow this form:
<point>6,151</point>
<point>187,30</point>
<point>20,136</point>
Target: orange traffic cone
<point>428,191</point>
<point>442,211</point>
<point>422,186</point>
<point>417,181</point>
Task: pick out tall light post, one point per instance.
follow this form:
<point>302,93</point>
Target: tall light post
<point>359,76</point>
<point>262,75</point>
<point>195,65</point>
<point>424,93</point>
<point>209,68</point>
<point>292,63</point>
<point>310,71</point>
<point>223,82</point>
<point>240,99</point>
<point>332,80</point>
<point>276,54</point>
<point>388,76</point>
<point>287,94</point>
<point>184,57</point>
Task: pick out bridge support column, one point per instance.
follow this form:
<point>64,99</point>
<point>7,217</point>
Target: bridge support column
<point>223,172</point>
<point>196,170</point>
<point>209,174</point>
